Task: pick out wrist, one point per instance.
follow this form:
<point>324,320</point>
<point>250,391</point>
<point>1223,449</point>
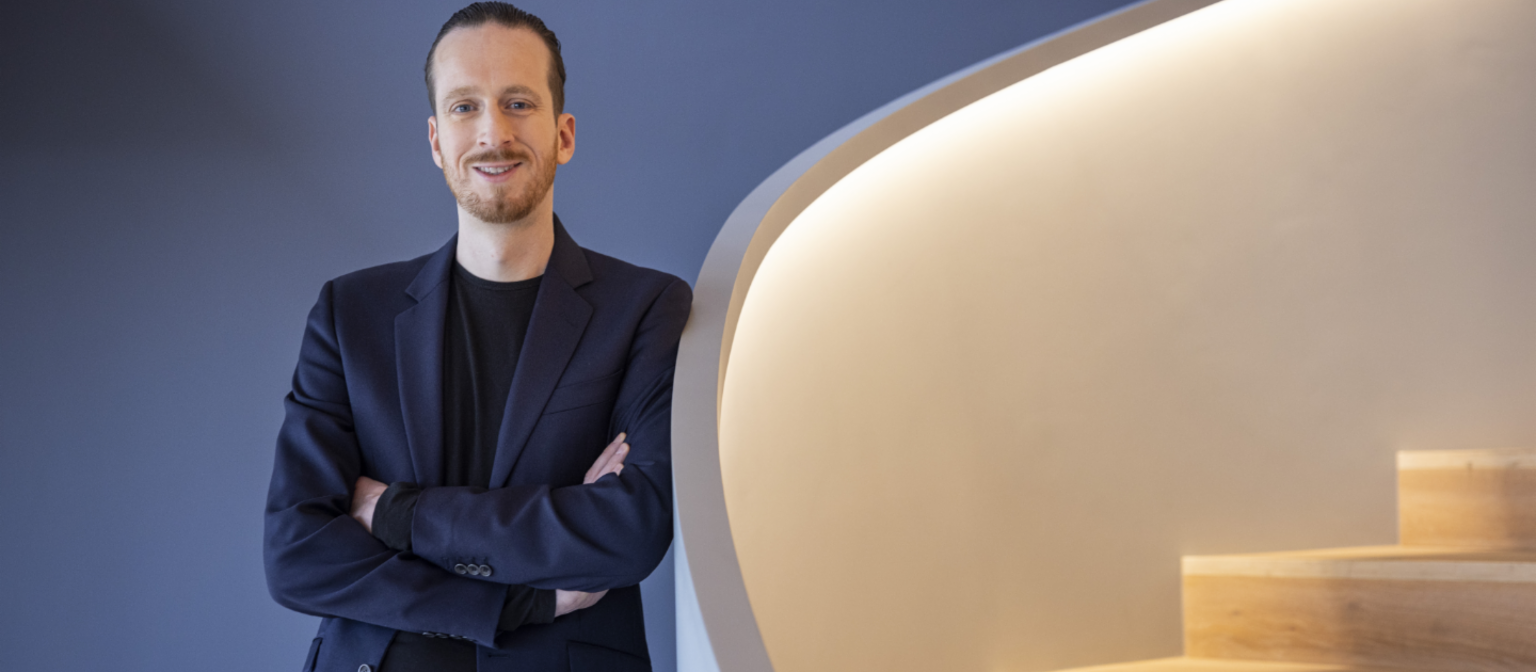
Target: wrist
<point>393,514</point>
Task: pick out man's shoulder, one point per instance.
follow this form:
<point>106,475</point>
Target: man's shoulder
<point>611,277</point>
<point>636,282</point>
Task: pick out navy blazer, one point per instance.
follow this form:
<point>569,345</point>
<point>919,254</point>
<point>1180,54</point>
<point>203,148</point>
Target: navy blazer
<point>367,400</point>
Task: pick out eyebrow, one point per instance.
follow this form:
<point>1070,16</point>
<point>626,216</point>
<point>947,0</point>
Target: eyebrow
<point>471,90</point>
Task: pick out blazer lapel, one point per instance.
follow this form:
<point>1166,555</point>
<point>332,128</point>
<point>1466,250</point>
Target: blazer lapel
<point>419,363</point>
<point>560,316</point>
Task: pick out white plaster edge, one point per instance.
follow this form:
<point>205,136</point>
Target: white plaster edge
<point>694,653</point>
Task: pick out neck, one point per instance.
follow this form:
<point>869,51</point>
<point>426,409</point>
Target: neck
<point>507,252</point>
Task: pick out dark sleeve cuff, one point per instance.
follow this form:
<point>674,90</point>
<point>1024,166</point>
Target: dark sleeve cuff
<point>526,606</point>
<point>393,513</point>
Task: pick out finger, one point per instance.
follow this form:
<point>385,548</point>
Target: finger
<point>618,458</point>
<point>597,467</point>
<point>615,463</point>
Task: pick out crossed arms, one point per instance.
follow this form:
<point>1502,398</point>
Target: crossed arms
<point>586,538</point>
<point>365,500</point>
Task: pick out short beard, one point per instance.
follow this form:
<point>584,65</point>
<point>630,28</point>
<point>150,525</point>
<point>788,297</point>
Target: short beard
<point>502,207</point>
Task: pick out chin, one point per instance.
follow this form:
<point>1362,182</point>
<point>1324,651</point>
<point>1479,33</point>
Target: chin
<point>500,213</point>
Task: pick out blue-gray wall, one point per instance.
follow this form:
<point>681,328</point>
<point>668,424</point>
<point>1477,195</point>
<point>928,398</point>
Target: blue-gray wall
<point>177,178</point>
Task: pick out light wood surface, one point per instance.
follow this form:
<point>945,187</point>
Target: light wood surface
<point>1497,458</point>
<point>1183,664</point>
<point>1471,498</point>
<point>1397,563</point>
<point>1347,607</point>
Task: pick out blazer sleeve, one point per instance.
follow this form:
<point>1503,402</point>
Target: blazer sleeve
<point>318,559</point>
<point>607,534</point>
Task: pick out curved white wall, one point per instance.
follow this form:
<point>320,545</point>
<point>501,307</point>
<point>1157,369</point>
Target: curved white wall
<point>1184,294</point>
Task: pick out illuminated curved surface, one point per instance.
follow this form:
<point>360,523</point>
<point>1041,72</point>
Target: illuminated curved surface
<point>993,366</point>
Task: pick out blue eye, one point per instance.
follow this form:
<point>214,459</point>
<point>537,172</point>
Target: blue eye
<point>461,107</point>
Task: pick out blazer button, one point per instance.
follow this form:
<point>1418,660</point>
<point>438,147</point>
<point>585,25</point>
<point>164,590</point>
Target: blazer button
<point>461,568</point>
<point>364,668</point>
<point>485,570</point>
<point>474,570</point>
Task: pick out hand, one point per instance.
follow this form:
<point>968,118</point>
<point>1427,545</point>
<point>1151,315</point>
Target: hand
<point>610,462</point>
<point>365,496</point>
<point>567,601</point>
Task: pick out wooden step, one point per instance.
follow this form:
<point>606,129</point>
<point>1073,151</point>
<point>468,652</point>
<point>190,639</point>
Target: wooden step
<point>1404,607</point>
<point>1470,498</point>
<point>1215,665</point>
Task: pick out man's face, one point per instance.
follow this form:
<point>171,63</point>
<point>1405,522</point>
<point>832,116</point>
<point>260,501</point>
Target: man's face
<point>495,134</point>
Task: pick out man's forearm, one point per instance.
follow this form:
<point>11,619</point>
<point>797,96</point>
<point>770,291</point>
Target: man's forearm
<point>591,537</point>
<point>599,535</point>
<point>323,563</point>
<point>389,511</point>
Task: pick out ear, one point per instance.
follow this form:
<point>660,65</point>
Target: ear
<point>565,129</point>
<point>437,150</point>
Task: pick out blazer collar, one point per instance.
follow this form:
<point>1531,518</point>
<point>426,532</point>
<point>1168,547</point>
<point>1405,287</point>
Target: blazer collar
<point>559,317</point>
<point>419,364</point>
<point>434,274</point>
<point>566,259</point>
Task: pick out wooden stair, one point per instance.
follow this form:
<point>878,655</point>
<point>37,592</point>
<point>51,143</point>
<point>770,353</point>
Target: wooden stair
<point>1387,606</point>
<point>1470,498</point>
<point>1458,594</point>
<point>1208,665</point>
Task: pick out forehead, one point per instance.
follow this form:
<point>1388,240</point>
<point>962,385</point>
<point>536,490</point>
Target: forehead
<point>491,57</point>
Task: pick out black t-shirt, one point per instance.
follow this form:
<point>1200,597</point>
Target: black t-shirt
<point>483,336</point>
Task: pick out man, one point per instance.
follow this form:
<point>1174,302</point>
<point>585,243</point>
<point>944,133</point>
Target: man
<point>482,383</point>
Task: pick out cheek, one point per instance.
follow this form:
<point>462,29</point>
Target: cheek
<point>451,148</point>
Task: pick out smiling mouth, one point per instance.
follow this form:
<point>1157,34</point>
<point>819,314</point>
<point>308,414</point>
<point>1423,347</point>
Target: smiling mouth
<point>495,170</point>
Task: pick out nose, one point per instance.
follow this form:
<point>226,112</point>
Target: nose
<point>496,130</point>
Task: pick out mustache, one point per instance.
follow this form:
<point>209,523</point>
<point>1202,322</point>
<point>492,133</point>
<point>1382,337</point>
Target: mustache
<point>497,155</point>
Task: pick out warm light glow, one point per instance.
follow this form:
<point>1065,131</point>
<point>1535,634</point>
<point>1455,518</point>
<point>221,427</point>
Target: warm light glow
<point>1184,294</point>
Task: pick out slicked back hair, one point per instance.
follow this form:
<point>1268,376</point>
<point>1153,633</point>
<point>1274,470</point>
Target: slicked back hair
<point>504,14</point>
